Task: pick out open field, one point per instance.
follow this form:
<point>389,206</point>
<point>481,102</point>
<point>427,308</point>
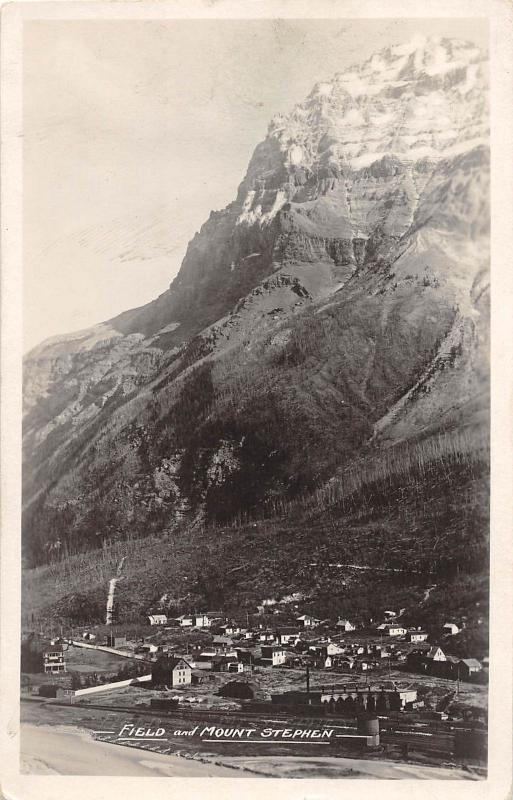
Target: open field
<point>273,681</point>
<point>86,661</point>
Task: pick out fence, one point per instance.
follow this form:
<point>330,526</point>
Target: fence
<point>105,649</point>
<point>104,687</point>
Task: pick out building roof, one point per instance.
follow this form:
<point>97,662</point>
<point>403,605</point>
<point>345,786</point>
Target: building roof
<point>221,658</point>
<point>432,650</point>
<point>173,661</point>
<point>471,662</point>
<point>54,648</point>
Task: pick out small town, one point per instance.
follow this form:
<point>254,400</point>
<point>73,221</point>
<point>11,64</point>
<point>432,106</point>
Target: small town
<point>392,692</point>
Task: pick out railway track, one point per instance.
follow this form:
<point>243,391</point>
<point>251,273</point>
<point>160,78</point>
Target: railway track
<point>403,736</point>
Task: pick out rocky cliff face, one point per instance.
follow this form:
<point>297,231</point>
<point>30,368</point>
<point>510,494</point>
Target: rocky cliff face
<point>338,306</point>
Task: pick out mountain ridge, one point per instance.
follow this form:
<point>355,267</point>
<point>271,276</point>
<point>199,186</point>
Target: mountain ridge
<point>336,308</point>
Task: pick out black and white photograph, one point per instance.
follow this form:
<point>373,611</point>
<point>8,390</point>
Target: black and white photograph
<point>254,539</point>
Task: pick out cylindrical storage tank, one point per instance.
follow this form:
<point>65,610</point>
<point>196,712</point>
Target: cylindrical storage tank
<point>368,726</point>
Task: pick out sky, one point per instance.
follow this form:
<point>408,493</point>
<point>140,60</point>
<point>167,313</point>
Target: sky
<point>135,130</point>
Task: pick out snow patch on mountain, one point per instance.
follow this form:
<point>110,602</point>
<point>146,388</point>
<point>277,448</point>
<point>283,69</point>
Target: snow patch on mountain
<point>426,99</point>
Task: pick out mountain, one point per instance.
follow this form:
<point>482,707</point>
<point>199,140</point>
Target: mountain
<point>321,356</point>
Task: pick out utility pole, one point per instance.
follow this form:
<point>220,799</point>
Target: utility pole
<point>308,684</point>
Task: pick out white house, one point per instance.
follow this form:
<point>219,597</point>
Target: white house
<point>346,625</point>
<point>307,621</point>
<point>333,649</point>
<point>396,630</point>
<point>53,658</point>
<point>288,635</point>
<point>274,655</point>
<point>437,654</point>
<point>392,629</point>
<point>157,619</point>
<point>202,621</point>
<point>451,628</point>
<point>235,666</point>
<point>171,671</point>
<point>185,621</point>
<point>417,636</point>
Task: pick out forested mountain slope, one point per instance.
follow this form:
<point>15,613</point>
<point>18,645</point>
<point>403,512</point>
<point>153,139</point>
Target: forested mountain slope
<point>322,352</point>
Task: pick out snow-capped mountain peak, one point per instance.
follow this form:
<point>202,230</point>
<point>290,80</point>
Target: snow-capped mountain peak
<point>423,99</point>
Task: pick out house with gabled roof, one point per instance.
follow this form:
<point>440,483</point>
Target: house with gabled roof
<point>53,658</point>
<point>157,619</point>
<point>273,655</point>
<point>436,653</point>
<point>450,628</point>
<point>171,671</point>
<point>417,636</point>
<point>223,663</point>
<point>287,635</point>
<point>307,621</point>
<point>185,620</point>
<point>392,629</point>
<point>469,667</point>
<point>345,625</point>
